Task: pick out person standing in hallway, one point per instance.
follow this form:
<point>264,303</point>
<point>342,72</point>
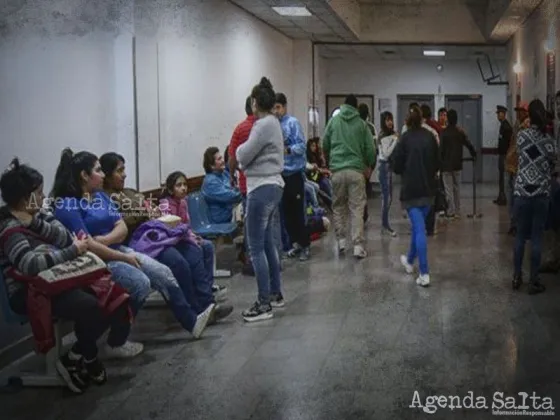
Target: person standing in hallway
<point>240,136</point>
<point>261,157</point>
<point>348,148</point>
<point>537,157</point>
<point>453,139</point>
<point>388,139</point>
<point>442,118</point>
<point>512,158</point>
<point>363,109</point>
<point>416,158</point>
<point>293,199</point>
<point>506,132</point>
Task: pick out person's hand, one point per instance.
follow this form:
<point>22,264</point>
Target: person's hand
<point>82,244</point>
<point>24,217</point>
<point>154,212</point>
<point>101,239</point>
<point>132,260</point>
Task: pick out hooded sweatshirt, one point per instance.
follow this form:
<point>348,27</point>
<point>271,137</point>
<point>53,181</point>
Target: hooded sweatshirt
<point>294,143</point>
<point>348,142</point>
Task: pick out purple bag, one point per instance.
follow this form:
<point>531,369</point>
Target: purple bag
<point>153,237</point>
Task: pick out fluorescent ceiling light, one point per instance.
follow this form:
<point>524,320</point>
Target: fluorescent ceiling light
<point>434,53</point>
<point>292,11</point>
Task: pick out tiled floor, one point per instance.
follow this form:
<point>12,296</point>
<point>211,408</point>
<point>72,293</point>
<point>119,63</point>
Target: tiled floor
<point>355,341</point>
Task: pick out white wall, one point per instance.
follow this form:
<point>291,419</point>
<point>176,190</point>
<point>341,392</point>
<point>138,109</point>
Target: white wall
<point>66,79</point>
<point>211,54</point>
<point>387,79</point>
<point>529,46</point>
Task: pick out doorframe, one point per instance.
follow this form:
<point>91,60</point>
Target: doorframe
<point>344,95</point>
<point>479,167</point>
<point>411,96</point>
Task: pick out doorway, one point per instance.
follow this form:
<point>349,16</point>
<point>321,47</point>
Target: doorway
<point>469,113</point>
<point>403,103</point>
<point>335,101</point>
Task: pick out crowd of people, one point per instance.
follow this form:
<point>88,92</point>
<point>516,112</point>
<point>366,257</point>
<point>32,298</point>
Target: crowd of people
<point>94,250</point>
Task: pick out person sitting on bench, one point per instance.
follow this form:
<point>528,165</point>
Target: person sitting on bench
<point>184,259</point>
<point>216,188</point>
<point>24,229</point>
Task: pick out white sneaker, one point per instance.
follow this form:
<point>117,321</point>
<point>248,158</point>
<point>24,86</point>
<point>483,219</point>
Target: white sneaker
<point>126,351</point>
<point>407,267</point>
<point>341,245</point>
<point>359,252</point>
<point>202,321</point>
<point>423,280</point>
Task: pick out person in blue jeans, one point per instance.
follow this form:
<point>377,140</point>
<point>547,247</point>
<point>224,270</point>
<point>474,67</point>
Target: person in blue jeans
<point>81,206</point>
<point>416,158</point>
<point>388,139</point>
<point>191,265</point>
<point>537,158</point>
<point>261,158</point>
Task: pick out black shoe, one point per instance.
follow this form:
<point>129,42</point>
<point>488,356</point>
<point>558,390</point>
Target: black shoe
<point>535,288</point>
<point>71,372</point>
<point>517,282</point>
<point>220,312</point>
<point>277,300</point>
<point>258,312</point>
<point>95,371</point>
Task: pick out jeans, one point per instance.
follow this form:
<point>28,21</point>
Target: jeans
<point>451,183</point>
<point>325,185</point>
<point>418,241</point>
<point>262,219</point>
<point>285,238</point>
<point>530,214</point>
<point>349,197</point>
<point>511,199</point>
<point>186,262</point>
<point>90,321</point>
<point>386,181</point>
<point>152,274</point>
<point>293,200</point>
<point>311,193</point>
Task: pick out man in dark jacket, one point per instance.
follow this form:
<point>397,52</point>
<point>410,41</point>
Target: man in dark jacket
<point>453,139</point>
<point>506,131</point>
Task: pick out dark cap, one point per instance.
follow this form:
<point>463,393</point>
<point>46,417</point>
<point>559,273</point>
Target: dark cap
<point>501,108</point>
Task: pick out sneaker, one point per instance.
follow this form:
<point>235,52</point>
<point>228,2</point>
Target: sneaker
<point>128,350</point>
<point>202,321</point>
<point>95,371</point>
<point>423,280</point>
<point>220,312</point>
<point>277,300</point>
<point>219,291</point>
<point>536,288</point>
<point>305,254</point>
<point>70,370</point>
<point>294,252</point>
<point>389,231</point>
<point>407,267</point>
<point>257,312</point>
<point>341,245</point>
<point>359,252</point>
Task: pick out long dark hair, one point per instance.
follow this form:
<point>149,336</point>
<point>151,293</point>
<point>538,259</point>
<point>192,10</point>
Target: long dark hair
<point>170,183</point>
<point>264,95</point>
<point>537,114</point>
<point>414,120</point>
<point>68,177</point>
<point>18,182</point>
<point>384,129</point>
<point>314,157</point>
<point>109,163</point>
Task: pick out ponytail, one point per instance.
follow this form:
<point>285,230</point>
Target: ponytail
<point>67,180</point>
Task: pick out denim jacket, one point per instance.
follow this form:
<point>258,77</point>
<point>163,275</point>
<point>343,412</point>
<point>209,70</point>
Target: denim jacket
<point>220,196</point>
<point>294,141</point>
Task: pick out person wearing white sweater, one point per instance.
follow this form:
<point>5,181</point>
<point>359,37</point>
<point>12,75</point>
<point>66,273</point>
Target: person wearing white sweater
<point>387,141</point>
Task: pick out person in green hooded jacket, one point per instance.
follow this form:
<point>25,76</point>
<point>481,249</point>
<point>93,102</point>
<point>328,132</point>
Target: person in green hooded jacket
<point>350,153</point>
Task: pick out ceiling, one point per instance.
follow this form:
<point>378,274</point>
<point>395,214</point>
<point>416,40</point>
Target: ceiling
<point>408,52</point>
<point>449,22</point>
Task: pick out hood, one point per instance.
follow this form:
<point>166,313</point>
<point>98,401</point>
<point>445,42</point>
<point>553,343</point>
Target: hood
<point>348,112</point>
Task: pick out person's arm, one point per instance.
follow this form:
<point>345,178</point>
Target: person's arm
<point>232,150</point>
<point>369,149</point>
<point>214,190</point>
<point>436,156</point>
<point>116,236</point>
<point>297,147</point>
<point>466,142</point>
<point>249,150</point>
<point>52,230</point>
<point>29,262</point>
<point>327,143</point>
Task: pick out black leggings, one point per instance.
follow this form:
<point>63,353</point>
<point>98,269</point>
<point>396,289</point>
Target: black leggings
<point>90,322</point>
<point>294,212</point>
